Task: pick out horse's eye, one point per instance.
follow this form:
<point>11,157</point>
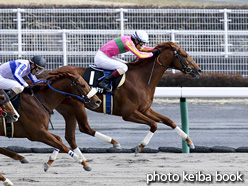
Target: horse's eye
<point>2,98</point>
<point>83,86</point>
<point>186,56</point>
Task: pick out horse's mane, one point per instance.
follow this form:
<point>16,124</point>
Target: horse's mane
<point>62,72</point>
<point>161,47</point>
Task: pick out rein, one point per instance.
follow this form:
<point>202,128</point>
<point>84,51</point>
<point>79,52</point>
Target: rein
<point>61,92</point>
<point>45,108</point>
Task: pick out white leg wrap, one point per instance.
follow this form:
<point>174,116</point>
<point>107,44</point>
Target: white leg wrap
<point>74,156</point>
<point>92,92</point>
<point>79,153</point>
<point>54,154</point>
<point>147,139</point>
<point>103,137</point>
<point>7,182</point>
<point>181,133</point>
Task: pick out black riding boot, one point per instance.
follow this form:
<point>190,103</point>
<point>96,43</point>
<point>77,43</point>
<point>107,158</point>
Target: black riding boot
<point>104,83</point>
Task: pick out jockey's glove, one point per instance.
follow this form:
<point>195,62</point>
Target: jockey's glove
<point>29,90</point>
<point>156,53</point>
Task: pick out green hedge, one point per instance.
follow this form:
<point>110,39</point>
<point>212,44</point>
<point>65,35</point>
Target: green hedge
<point>205,80</point>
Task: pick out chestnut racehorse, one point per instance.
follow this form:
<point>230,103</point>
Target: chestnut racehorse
<point>134,98</point>
<point>34,120</point>
<point>8,113</point>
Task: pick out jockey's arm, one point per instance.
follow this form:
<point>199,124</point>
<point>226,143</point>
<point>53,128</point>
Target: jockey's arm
<point>147,49</point>
<point>18,77</point>
<point>136,52</point>
<point>33,78</point>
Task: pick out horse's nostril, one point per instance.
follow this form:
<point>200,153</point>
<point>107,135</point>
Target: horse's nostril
<point>15,117</point>
<point>98,102</point>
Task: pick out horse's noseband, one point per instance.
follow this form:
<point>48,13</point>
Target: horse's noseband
<point>86,99</point>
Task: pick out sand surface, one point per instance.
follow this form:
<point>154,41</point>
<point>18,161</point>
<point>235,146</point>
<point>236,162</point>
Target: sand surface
<point>127,169</point>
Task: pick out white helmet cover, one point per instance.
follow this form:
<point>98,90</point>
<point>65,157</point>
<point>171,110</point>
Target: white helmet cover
<point>141,35</point>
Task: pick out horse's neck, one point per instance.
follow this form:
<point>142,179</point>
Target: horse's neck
<point>147,71</point>
<point>51,99</point>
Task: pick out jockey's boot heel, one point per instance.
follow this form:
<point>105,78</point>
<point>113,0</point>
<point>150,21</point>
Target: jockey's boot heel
<point>104,83</point>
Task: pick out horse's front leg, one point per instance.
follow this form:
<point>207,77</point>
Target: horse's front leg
<point>13,155</point>
<point>138,117</point>
<point>73,113</point>
<point>56,142</point>
<point>162,119</point>
<point>6,181</point>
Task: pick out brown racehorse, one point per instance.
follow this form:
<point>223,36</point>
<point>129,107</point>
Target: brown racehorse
<point>7,112</point>
<point>133,99</point>
<point>34,120</point>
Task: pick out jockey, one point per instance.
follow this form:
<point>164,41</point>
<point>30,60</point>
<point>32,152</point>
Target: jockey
<point>105,57</point>
<point>12,73</point>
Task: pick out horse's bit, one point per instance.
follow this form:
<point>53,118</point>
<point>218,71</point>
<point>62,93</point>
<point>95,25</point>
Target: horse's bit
<point>85,97</point>
<point>186,68</point>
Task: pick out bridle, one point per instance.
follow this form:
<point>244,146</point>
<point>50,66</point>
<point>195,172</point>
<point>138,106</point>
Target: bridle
<point>85,97</point>
<point>186,68</point>
<point>2,112</point>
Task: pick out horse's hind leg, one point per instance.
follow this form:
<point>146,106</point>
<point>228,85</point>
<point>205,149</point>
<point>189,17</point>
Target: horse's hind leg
<point>6,181</point>
<point>162,119</point>
<point>13,155</point>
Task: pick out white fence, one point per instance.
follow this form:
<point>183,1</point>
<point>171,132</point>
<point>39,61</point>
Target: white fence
<point>216,38</point>
<point>202,92</point>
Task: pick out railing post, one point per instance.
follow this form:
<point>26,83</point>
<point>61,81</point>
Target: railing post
<point>226,20</point>
<point>185,122</point>
<point>121,10</point>
<point>64,46</point>
<point>19,29</point>
<point>173,40</point>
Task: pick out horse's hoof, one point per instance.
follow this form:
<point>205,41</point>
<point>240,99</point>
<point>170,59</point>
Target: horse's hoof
<point>7,182</point>
<point>191,146</point>
<point>136,150</point>
<point>24,161</point>
<point>88,168</point>
<point>117,146</point>
<point>89,160</point>
<point>46,167</point>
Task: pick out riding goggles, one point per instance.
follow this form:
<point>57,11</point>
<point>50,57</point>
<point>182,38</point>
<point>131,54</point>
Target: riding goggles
<point>39,70</point>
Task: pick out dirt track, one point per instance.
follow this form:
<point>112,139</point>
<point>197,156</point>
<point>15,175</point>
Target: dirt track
<point>126,169</point>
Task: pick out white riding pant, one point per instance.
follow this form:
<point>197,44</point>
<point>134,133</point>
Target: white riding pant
<point>9,84</point>
<point>109,63</point>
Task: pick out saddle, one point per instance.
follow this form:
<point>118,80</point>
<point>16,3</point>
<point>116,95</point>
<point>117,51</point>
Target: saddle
<point>93,76</point>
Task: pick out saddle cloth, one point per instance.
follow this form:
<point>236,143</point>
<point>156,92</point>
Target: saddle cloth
<point>93,75</point>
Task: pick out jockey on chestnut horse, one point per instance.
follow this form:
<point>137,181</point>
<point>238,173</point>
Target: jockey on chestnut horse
<point>7,112</point>
<point>59,84</point>
<point>132,101</point>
